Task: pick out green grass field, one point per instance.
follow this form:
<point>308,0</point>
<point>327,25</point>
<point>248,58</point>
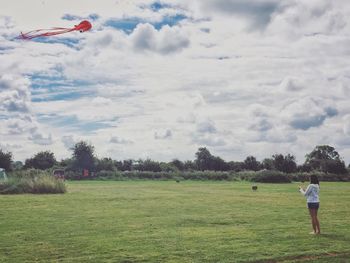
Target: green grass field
<point>165,221</point>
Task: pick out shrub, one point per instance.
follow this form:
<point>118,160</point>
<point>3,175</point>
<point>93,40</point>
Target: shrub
<point>246,175</point>
<point>271,177</point>
<point>21,183</point>
<point>305,177</point>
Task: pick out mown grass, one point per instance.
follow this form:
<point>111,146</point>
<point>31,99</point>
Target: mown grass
<point>165,221</point>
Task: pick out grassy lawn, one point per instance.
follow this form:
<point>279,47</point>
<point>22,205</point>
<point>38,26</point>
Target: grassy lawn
<point>165,221</point>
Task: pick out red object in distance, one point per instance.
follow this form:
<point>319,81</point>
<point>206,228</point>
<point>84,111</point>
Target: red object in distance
<point>81,27</point>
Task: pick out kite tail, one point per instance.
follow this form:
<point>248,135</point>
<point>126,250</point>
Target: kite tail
<point>46,32</point>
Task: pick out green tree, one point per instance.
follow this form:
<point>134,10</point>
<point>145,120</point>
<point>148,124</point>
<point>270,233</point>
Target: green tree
<point>326,159</point>
<point>178,164</point>
<point>6,160</point>
<point>168,167</point>
<point>250,163</point>
<point>148,165</point>
<point>284,164</point>
<point>105,164</point>
<point>125,165</point>
<point>218,164</point>
<point>290,165</point>
<point>235,166</point>
<point>203,159</point>
<point>206,161</point>
<point>268,164</point>
<point>190,165</point>
<point>42,160</point>
<point>83,155</point>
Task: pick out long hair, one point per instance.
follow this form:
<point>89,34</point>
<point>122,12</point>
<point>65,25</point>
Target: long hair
<point>314,179</point>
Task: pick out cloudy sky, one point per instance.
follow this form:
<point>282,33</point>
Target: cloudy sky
<point>161,78</point>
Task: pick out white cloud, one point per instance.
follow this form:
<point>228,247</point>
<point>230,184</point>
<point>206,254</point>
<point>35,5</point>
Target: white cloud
<point>15,95</point>
<point>167,40</point>
<point>291,84</point>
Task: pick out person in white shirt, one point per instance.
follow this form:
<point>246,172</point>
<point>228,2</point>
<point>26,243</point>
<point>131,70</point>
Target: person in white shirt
<point>313,202</point>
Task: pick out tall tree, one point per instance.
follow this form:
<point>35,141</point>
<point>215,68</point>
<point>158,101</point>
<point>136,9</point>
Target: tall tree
<point>203,159</point>
<point>6,160</point>
<point>326,159</point>
<point>178,164</point>
<point>83,154</point>
<point>284,164</point>
<point>250,163</point>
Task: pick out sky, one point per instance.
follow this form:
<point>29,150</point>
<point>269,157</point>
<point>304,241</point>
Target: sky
<point>159,79</point>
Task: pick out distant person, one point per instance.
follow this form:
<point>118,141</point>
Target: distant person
<point>313,202</point>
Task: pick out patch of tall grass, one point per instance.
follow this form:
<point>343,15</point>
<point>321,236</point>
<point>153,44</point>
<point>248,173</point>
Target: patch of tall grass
<point>32,181</point>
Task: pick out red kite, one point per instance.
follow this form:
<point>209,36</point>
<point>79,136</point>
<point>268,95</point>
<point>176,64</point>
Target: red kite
<point>81,27</point>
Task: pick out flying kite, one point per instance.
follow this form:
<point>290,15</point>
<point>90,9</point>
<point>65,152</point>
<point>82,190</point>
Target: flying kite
<point>81,27</point>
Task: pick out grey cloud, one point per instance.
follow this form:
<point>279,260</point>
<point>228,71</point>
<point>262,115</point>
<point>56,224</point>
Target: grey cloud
<point>346,125</point>
<point>206,127</point>
<point>19,124</point>
<point>118,140</point>
<point>14,104</point>
<point>14,96</point>
<point>291,84</point>
<point>17,127</point>
<point>308,112</point>
<point>68,141</point>
<point>305,123</point>
<point>331,112</point>
<point>39,138</point>
<point>259,12</point>
<point>311,18</point>
<point>189,118</point>
<point>161,135</point>
<point>208,140</point>
<point>279,137</point>
<point>261,125</point>
<point>273,135</point>
<point>144,37</point>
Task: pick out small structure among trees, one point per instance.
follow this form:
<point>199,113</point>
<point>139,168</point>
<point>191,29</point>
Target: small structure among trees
<point>3,175</point>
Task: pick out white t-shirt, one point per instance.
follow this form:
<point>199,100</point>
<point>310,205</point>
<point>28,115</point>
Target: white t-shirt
<point>311,193</point>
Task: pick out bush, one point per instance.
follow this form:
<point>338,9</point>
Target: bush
<point>29,173</point>
<point>268,176</point>
<point>271,177</point>
<point>305,177</point>
<point>21,183</point>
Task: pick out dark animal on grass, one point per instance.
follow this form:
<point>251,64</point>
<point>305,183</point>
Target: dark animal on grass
<point>254,187</point>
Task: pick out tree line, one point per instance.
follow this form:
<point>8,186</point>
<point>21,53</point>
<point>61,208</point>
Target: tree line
<point>322,158</point>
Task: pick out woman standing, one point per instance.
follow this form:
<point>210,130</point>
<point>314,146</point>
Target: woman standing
<point>313,202</point>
